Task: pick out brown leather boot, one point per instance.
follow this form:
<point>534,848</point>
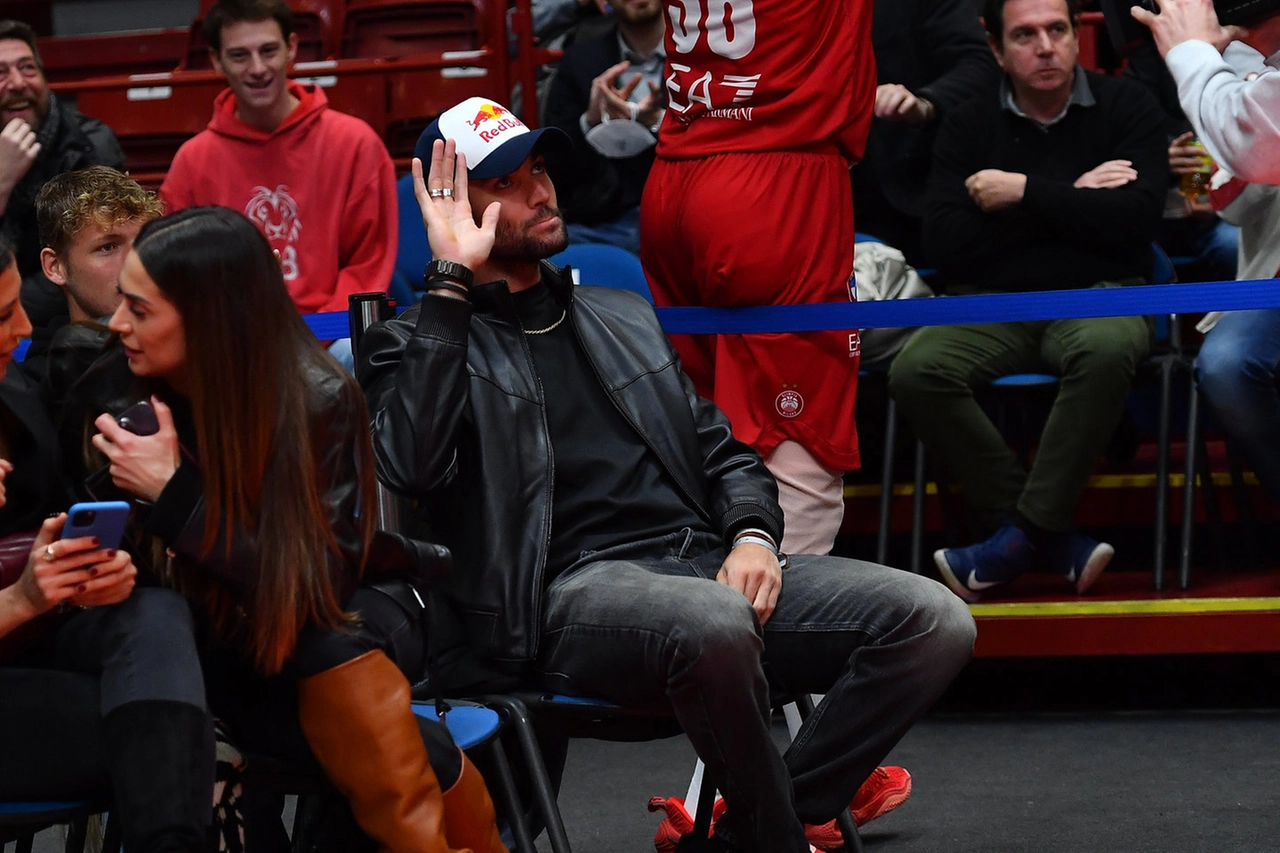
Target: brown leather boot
<point>469,819</point>
<point>357,720</point>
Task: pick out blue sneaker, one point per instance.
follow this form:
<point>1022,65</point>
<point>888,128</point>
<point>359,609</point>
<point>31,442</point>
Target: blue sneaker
<point>1000,559</point>
<point>1079,559</point>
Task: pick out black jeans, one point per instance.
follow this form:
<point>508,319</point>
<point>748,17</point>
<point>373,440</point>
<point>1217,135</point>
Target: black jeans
<point>56,694</point>
<point>647,625</point>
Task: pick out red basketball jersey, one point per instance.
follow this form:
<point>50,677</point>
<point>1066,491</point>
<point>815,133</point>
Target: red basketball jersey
<point>767,75</point>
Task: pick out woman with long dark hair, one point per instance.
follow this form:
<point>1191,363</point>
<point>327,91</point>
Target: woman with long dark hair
<point>258,494</point>
<point>100,688</point>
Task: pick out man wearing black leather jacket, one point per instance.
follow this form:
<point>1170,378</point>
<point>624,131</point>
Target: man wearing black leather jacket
<point>610,536</point>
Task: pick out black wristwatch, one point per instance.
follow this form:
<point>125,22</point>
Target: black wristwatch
<point>447,269</point>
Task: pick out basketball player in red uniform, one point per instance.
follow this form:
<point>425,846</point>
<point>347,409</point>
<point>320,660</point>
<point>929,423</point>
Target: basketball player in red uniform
<point>749,203</point>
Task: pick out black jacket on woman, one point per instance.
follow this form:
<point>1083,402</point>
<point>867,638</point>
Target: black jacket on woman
<point>459,422</point>
<point>177,518</point>
<point>34,488</point>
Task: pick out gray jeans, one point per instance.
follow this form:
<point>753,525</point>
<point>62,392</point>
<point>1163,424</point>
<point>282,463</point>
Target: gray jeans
<point>646,625</point>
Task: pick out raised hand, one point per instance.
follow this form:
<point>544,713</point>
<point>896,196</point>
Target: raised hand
<point>18,150</point>
<point>452,232</point>
<point>1186,20</point>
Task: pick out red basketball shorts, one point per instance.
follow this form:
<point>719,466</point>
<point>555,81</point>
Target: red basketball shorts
<point>770,228</point>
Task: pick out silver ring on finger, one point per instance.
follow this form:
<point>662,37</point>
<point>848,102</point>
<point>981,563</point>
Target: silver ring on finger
<point>49,555</point>
<point>438,193</point>
<point>447,192</point>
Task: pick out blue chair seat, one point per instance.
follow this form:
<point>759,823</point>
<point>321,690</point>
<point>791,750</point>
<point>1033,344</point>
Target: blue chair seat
<point>20,820</point>
<point>605,266</point>
<point>1024,380</point>
<point>21,811</point>
<point>469,725</point>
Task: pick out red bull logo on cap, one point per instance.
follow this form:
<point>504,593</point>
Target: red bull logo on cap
<point>495,120</point>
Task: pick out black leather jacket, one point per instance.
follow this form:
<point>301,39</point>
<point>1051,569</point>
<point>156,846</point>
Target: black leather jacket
<point>459,423</point>
<point>34,488</point>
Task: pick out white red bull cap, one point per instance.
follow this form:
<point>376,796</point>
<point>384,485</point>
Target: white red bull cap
<point>494,141</point>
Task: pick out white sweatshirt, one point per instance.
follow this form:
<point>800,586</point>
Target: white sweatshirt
<point>1238,120</point>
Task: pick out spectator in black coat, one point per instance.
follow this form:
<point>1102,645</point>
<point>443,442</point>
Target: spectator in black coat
<point>607,96</point>
<point>931,56</point>
<point>41,137</point>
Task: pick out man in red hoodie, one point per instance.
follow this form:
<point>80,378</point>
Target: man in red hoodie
<point>319,183</point>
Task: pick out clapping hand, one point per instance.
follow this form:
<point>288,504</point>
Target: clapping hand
<point>607,97</point>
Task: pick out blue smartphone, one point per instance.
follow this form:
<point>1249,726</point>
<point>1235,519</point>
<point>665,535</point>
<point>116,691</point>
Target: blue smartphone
<point>104,519</point>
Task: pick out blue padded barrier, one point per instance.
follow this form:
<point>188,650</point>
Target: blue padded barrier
<point>945,311</point>
<point>986,308</point>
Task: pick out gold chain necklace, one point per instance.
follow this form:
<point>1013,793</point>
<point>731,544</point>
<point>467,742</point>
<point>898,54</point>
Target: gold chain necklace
<point>563,314</point>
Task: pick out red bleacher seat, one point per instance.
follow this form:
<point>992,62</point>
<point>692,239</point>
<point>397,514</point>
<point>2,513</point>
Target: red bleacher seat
<point>317,23</point>
<point>361,94</point>
<point>397,28</point>
<point>68,58</point>
<point>152,118</point>
<point>417,97</point>
<point>1089,33</point>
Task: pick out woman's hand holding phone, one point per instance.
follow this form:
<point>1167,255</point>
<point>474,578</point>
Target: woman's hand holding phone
<point>140,464</point>
<point>77,570</point>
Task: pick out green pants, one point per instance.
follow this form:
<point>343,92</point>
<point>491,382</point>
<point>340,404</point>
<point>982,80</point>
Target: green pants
<point>934,377</point>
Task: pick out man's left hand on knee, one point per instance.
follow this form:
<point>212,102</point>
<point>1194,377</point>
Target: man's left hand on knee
<point>753,570</point>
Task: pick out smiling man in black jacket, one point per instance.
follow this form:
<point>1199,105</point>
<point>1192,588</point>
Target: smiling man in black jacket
<point>1057,182</point>
<point>611,538</point>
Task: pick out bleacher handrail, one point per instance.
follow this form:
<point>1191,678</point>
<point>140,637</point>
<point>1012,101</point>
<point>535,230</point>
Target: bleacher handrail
<point>178,78</point>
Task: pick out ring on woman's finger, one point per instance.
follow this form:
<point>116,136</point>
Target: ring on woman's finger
<point>438,193</point>
<point>49,555</point>
<point>447,192</point>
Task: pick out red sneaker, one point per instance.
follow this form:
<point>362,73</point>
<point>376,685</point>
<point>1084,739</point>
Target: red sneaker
<point>885,789</point>
<point>676,824</point>
<point>678,821</point>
